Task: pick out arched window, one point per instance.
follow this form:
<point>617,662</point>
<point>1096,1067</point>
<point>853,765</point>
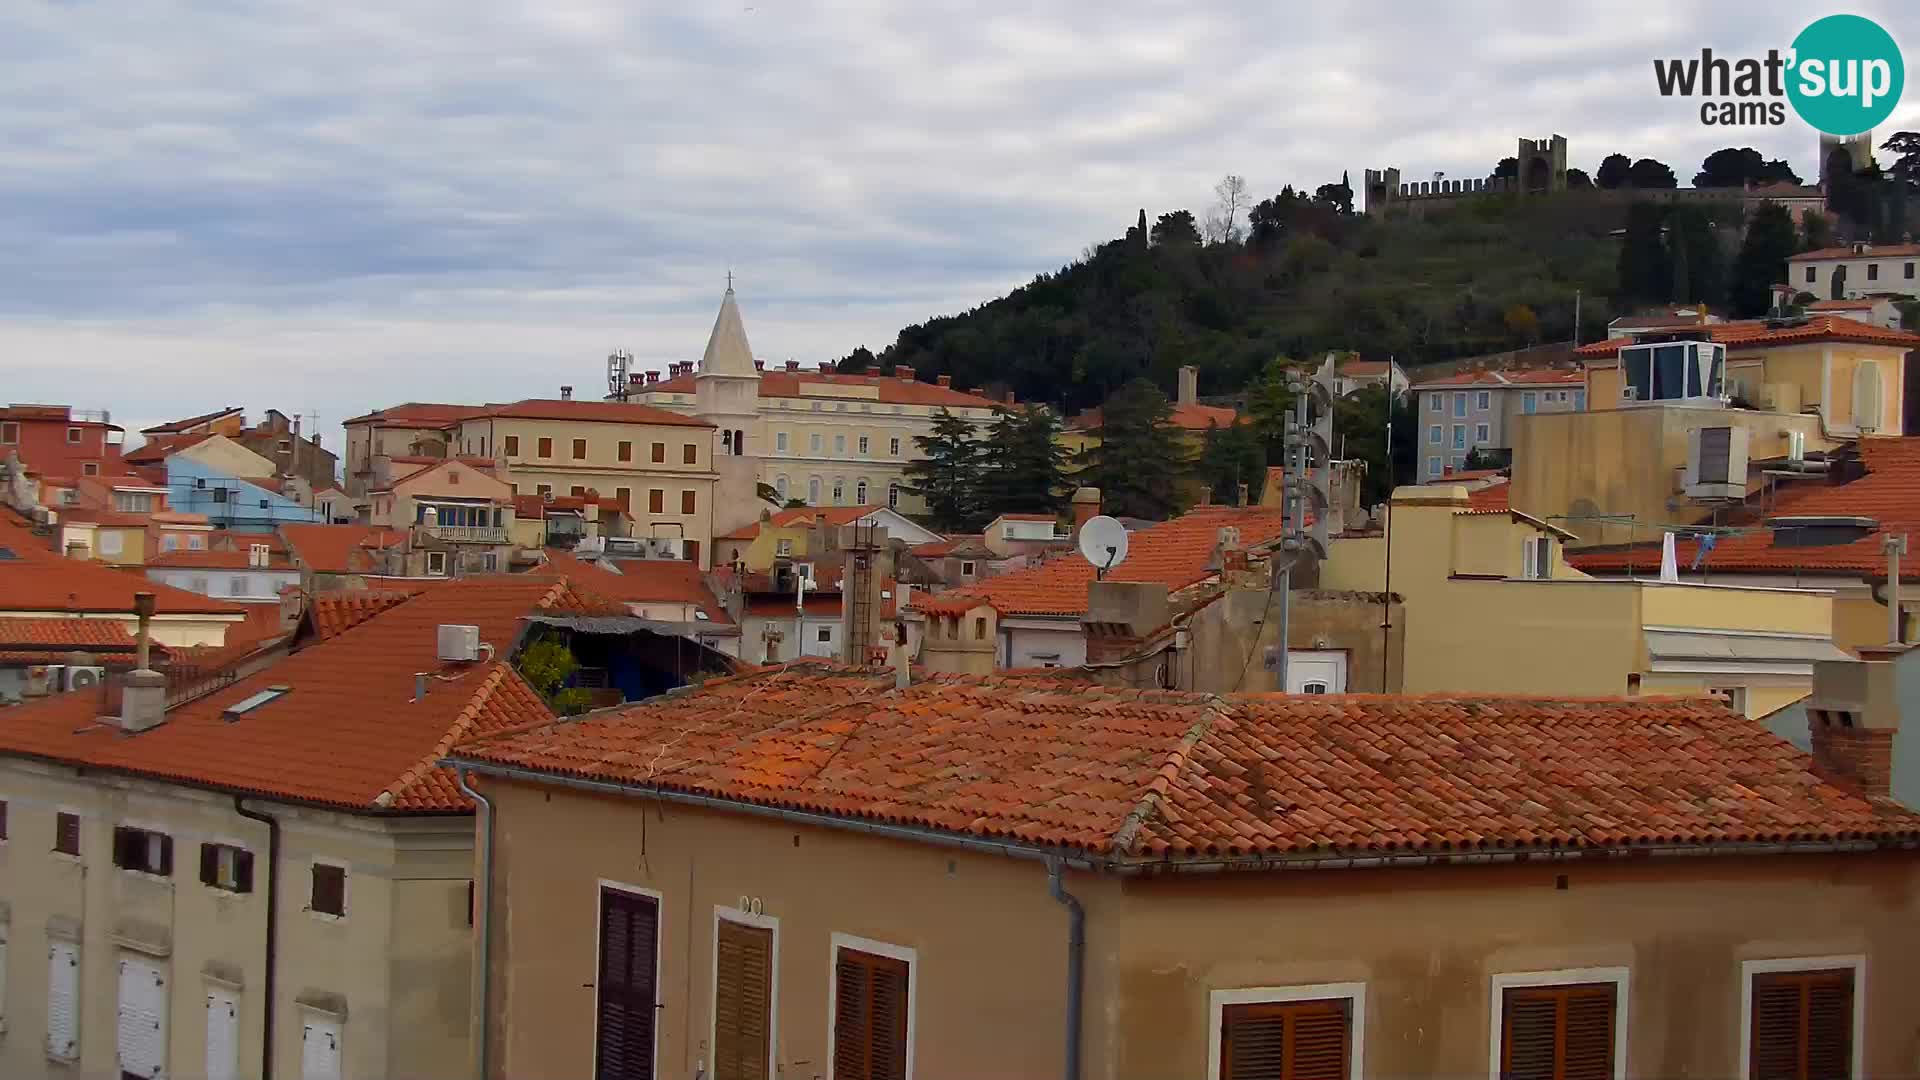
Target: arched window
<point>893,496</point>
<point>780,487</point>
<point>813,491</point>
<point>839,490</point>
<point>1315,687</point>
<point>860,493</point>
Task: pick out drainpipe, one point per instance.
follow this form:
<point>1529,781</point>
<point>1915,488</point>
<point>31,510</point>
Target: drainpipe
<point>273,923</point>
<point>1076,960</point>
<point>483,922</point>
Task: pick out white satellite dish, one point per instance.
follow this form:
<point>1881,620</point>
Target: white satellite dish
<point>1103,540</point>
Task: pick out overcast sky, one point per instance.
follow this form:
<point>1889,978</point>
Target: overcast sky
<point>330,207</point>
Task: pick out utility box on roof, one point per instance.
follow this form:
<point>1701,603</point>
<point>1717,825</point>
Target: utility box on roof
<point>460,644</point>
<point>1716,463</point>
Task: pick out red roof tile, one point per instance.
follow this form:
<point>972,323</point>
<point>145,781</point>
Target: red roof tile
<point>1874,251</point>
<point>1174,553</point>
<point>340,610</point>
<point>1493,498</point>
<point>37,579</point>
<point>642,581</point>
<point>1756,334</point>
<point>191,421</point>
<point>1191,417</point>
<point>602,412</point>
<point>348,732</point>
<point>819,606</point>
<point>426,414</point>
<point>891,389</point>
<point>339,549</point>
<point>157,447</point>
<point>803,516</point>
<point>1841,305</point>
<point>218,560</point>
<point>77,633</point>
<point>1142,776</point>
<point>1527,377</point>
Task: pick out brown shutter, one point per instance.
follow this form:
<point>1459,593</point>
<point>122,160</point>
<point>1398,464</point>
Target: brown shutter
<point>66,833</point>
<point>1295,1040</point>
<point>1557,1032</point>
<point>624,1032</point>
<point>209,864</point>
<point>165,869</point>
<point>869,1017</point>
<point>242,870</point>
<point>1802,1026</point>
<point>742,1002</point>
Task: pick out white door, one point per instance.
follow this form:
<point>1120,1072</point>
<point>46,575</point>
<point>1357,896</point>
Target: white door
<point>63,1000</point>
<point>1316,671</point>
<point>320,1050</point>
<point>223,1035</point>
<point>143,1018</point>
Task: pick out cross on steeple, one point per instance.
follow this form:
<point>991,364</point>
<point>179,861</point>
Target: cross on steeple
<point>729,280</point>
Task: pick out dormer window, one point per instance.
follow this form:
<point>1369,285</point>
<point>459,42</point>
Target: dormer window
<point>1674,371</point>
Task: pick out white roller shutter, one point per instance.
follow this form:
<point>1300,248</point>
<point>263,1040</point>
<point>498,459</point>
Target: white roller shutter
<point>143,1018</point>
<point>223,1035</point>
<point>320,1050</point>
<point>63,1000</point>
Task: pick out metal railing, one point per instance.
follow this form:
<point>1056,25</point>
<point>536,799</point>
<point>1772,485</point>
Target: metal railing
<point>468,534</point>
<point>185,682</point>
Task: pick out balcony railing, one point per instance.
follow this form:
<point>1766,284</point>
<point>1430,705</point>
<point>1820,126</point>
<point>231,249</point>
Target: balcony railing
<point>468,534</point>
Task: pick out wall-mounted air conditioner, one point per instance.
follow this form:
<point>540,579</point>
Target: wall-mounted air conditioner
<point>459,644</point>
<point>81,676</point>
<point>1628,393</point>
<point>1716,463</point>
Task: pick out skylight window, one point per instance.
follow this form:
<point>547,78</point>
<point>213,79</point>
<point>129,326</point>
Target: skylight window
<point>253,701</point>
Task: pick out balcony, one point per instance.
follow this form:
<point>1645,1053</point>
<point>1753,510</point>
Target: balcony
<point>468,534</point>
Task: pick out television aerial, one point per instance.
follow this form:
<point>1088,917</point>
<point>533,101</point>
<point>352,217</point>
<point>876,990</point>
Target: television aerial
<point>1103,541</point>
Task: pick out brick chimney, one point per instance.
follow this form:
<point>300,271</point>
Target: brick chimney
<point>759,365</point>
<point>143,696</point>
<point>793,365</point>
<point>1086,506</point>
<point>1853,715</point>
<point>826,367</point>
<point>903,372</point>
<point>1189,386</point>
<point>943,380</point>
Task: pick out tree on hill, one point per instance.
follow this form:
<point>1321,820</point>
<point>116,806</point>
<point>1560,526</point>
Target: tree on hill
<point>858,362</point>
<point>1699,264</point>
<point>1816,232</point>
<point>1360,432</point>
<point>947,473</point>
<point>1732,168</point>
<point>1613,171</point>
<point>1176,230</point>
<point>1578,180</point>
<point>1022,466</point>
<point>1270,407</point>
<point>1138,459</point>
<point>1648,173</point>
<point>1508,168</point>
<point>1762,261</point>
<point>1338,196</point>
<point>1230,202</point>
<point>1522,323</point>
<point>1231,456</point>
<point>1645,267</point>
<point>1905,146</point>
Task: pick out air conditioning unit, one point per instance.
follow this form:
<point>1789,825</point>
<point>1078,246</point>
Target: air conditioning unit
<point>1629,393</point>
<point>635,546</point>
<point>459,644</point>
<point>81,676</point>
<point>1716,463</point>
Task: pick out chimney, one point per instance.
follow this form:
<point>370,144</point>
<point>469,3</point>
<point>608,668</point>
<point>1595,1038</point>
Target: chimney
<point>143,697</point>
<point>76,549</point>
<point>566,393</point>
<point>1853,716</point>
<point>943,380</point>
<point>793,365</point>
<point>1120,615</point>
<point>903,372</point>
<point>1189,386</point>
<point>1086,506</point>
<point>898,657</point>
<point>1010,400</point>
<point>652,377</point>
<point>826,367</point>
<point>759,365</point>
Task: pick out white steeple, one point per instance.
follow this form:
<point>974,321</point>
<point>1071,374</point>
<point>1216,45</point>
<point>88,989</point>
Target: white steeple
<point>727,350</point>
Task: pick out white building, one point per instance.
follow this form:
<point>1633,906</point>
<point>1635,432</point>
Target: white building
<point>1855,271</point>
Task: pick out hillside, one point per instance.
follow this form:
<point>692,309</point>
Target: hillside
<point>1308,277</point>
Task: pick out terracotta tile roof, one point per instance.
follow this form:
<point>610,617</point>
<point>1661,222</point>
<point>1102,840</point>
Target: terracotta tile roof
<point>75,633</point>
<point>642,581</point>
<point>339,549</point>
<point>819,606</point>
<point>218,560</point>
<point>603,412</point>
<point>157,447</point>
<point>803,516</point>
<point>191,421</point>
<point>1495,379</point>
<point>337,611</point>
<point>535,507</point>
<point>1363,369</point>
<point>1192,417</point>
<point>1874,251</point>
<point>1491,499</point>
<point>1143,776</point>
<point>1028,517</point>
<point>1889,493</point>
<point>426,414</point>
<point>892,390</point>
<point>348,733</point>
<point>1174,553</point>
<point>37,579</point>
<point>940,549</point>
<point>1841,305</point>
<point>1755,334</point>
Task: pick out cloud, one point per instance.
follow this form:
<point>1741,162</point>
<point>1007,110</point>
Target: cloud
<point>328,208</point>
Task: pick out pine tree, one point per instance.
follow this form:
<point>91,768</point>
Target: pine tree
<point>1022,467</point>
<point>1763,259</point>
<point>1231,456</point>
<point>947,474</point>
<point>1138,459</point>
<point>1645,268</point>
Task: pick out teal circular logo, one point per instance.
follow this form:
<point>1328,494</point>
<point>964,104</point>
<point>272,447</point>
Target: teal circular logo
<point>1845,75</point>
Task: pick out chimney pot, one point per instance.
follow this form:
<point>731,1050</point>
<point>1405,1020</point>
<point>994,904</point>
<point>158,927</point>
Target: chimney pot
<point>944,380</point>
<point>793,365</point>
<point>759,365</point>
<point>566,393</point>
<point>826,367</point>
<point>1189,386</point>
<point>1086,506</point>
<point>903,372</point>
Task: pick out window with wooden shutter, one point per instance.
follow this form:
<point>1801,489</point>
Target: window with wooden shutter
<point>1558,1032</point>
<point>869,1016</point>
<point>1291,1040</point>
<point>329,893</point>
<point>742,1001</point>
<point>66,834</point>
<point>1801,1026</point>
<point>143,850</point>
<point>223,866</point>
<point>627,986</point>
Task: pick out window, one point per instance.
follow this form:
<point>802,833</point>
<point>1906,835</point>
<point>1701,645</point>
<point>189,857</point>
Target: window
<point>656,501</point>
<point>578,491</point>
<point>623,496</point>
<point>1295,1032</point>
<point>966,567</point>
<point>780,488</point>
<point>1536,558</point>
<point>63,1000</point>
<point>625,450</point>
<point>1579,401</point>
<point>143,850</point>
<point>813,442</point>
<point>690,453</point>
<point>1314,687</point>
<point>1433,403</point>
<point>839,491</point>
<point>1480,434</point>
<point>1459,403</point>
<point>579,449</point>
<point>687,500</point>
<point>980,628</point>
<point>1909,273</point>
<point>545,491</point>
<point>659,451</point>
<point>223,1034</point>
<point>825,635</point>
<point>1483,400</point>
<point>839,446</point>
<point>513,445</point>
<point>1809,274</point>
<point>1799,1019</point>
<point>200,586</point>
<point>1434,435</point>
<point>779,442</point>
<point>1459,436</point>
<point>813,491</point>
<point>893,496</point>
<point>1529,403</point>
<point>328,895</point>
<point>3,836</point>
<point>141,1034</point>
<point>872,1036</point>
<point>863,446</point>
<point>1873,274</point>
<point>66,834</point>
<point>10,432</point>
<point>237,586</point>
<point>437,563</point>
<point>545,448</point>
<point>743,998</point>
<point>783,548</point>
<point>627,991</point>
<point>860,493</point>
<point>1561,1025</point>
<point>224,866</point>
<point>1736,696</point>
<point>73,435</point>
<point>133,502</point>
<point>893,445</point>
<point>1433,467</point>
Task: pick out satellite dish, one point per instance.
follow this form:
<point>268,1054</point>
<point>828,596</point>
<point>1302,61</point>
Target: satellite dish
<point>1103,541</point>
